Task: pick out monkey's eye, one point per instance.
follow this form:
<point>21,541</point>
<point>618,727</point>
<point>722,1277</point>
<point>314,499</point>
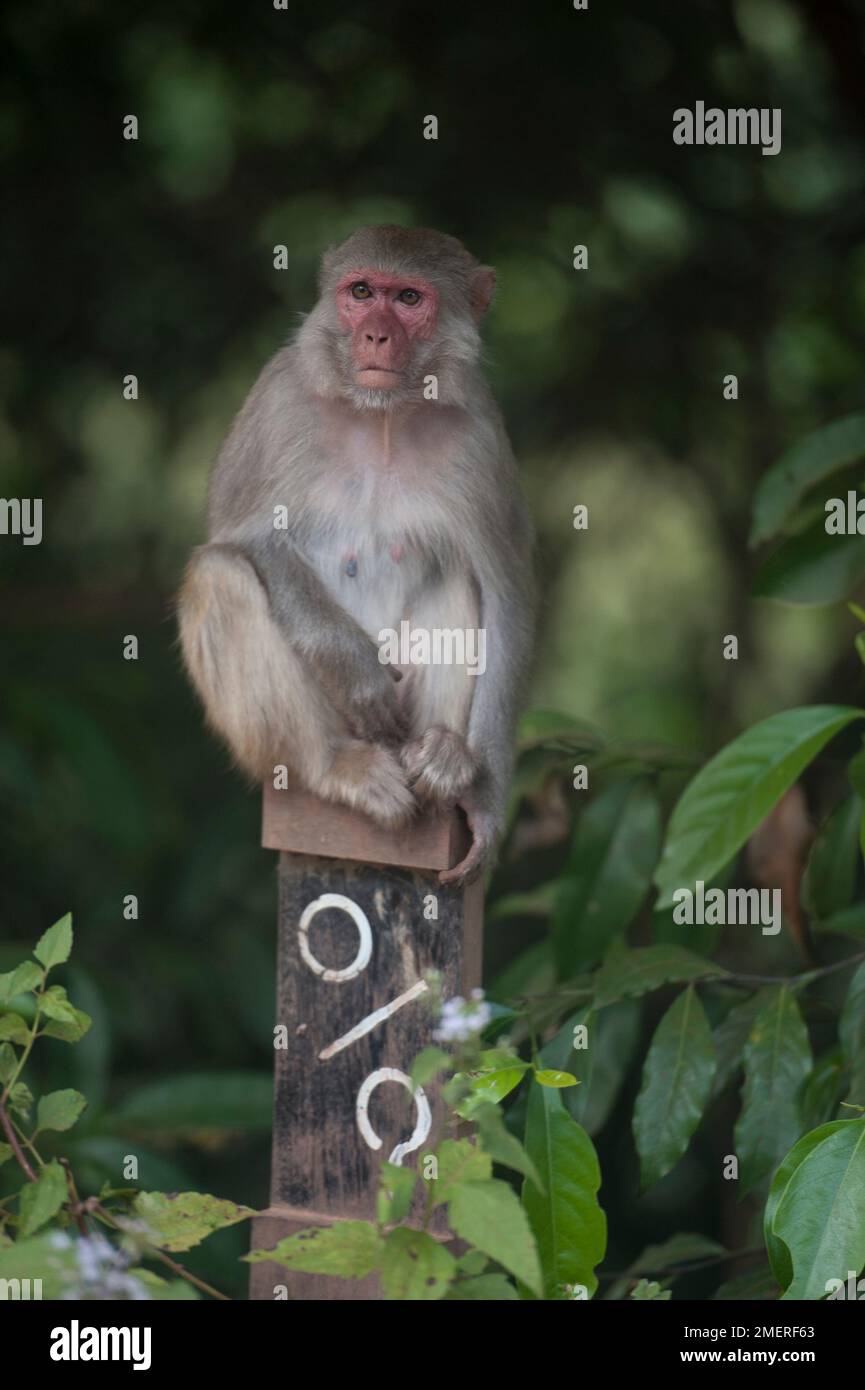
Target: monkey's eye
<point>361,290</point>
<point>409,296</point>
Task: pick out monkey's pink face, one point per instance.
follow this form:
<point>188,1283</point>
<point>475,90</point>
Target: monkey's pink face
<point>385,314</point>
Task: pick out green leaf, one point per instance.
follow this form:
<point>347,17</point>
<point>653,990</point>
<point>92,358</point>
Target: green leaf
<point>677,1084</point>
<point>737,788</point>
<point>779,1255</point>
<point>615,849</point>
<point>490,1085</point>
<point>459,1160</point>
<point>808,462</point>
<point>51,1257</point>
<point>8,1062</point>
<point>850,921</point>
<point>489,1287</point>
<point>55,1003</point>
<point>639,971</point>
<point>64,1021</point>
<point>489,1216</point>
<point>184,1219</point>
<point>681,1249</point>
<point>69,1030</point>
<point>611,1036</point>
<point>23,978</point>
<point>6,1152</point>
<point>672,1258</point>
<point>164,1290</point>
<point>472,1262</point>
<point>812,569</point>
<point>350,1249</point>
<point>59,1110</point>
<point>569,1226</point>
<point>502,1017</point>
<point>822,1090</point>
<point>20,1100</point>
<point>818,1207</point>
<point>830,875</point>
<point>700,937</point>
<point>502,1146</point>
<point>55,946</point>
<point>530,973</point>
<point>42,1199</point>
<point>495,1058</point>
<point>539,727</point>
<point>428,1064</point>
<point>731,1037</point>
<point>856,772</point>
<point>396,1189</point>
<point>557,1079</point>
<point>13,1028</point>
<point>415,1266</point>
<point>851,1034</point>
<point>777,1060</point>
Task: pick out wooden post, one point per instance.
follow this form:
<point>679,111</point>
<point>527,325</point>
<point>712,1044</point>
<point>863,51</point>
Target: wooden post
<point>362,920</point>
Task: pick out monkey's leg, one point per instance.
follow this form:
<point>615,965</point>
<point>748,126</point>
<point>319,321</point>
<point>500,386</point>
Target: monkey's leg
<point>440,764</point>
<point>444,764</point>
<point>260,695</point>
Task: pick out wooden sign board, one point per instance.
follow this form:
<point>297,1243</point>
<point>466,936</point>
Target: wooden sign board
<point>363,920</point>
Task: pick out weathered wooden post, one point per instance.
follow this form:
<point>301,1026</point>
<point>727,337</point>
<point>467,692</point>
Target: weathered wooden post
<point>362,920</point>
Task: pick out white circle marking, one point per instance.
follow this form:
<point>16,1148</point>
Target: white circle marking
<point>364,949</point>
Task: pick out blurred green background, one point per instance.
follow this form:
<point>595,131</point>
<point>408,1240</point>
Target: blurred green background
<point>154,257</point>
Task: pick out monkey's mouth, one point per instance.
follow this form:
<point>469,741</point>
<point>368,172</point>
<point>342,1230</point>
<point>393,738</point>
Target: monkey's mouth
<point>377,377</point>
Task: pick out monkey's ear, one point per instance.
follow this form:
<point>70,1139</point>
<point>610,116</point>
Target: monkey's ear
<point>483,288</point>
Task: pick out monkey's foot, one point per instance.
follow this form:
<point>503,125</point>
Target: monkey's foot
<point>368,778</point>
<point>440,765</point>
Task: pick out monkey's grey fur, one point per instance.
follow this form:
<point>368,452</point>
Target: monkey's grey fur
<point>279,631</point>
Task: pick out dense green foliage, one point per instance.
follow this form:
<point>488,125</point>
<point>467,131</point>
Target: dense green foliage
<point>155,257</point>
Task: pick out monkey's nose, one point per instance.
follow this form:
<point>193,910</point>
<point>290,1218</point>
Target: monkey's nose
<point>380,338</point>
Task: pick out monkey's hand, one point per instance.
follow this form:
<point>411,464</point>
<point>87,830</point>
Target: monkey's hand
<point>365,693</point>
<point>440,765</point>
<point>486,829</point>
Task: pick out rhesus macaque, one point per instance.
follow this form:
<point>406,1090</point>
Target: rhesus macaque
<point>368,481</point>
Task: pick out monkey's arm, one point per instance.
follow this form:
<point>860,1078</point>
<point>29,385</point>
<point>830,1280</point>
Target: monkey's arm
<point>507,616</point>
<point>344,660</point>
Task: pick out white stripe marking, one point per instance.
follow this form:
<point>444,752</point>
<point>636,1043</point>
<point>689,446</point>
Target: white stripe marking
<point>367,1024</point>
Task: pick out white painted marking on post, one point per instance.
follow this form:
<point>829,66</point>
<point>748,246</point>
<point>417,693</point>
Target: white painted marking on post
<point>423,1124</point>
<point>357,915</point>
<point>367,1024</point>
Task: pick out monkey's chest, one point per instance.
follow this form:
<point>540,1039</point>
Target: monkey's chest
<point>380,580</point>
<point>373,545</point>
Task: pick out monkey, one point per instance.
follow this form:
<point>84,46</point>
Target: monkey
<point>367,481</point>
